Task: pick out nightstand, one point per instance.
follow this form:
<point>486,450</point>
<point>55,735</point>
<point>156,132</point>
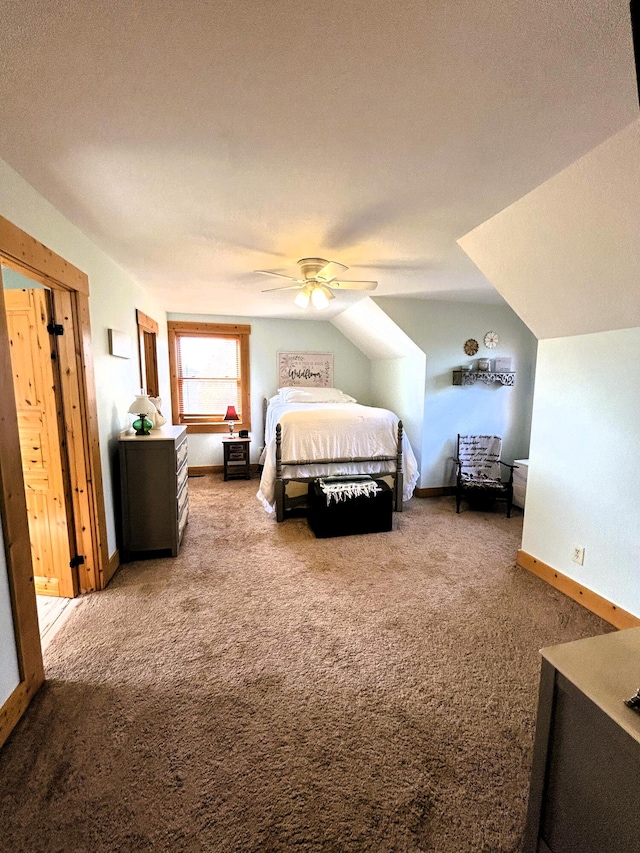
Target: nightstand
<point>236,457</point>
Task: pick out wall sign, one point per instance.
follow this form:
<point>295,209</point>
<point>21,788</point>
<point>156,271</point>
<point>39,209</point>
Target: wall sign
<point>306,369</point>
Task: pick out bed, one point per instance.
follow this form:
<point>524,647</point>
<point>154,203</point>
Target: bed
<point>321,432</point>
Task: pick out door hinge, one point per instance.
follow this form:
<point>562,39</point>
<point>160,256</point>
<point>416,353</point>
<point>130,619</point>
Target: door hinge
<point>77,561</point>
<point>55,329</point>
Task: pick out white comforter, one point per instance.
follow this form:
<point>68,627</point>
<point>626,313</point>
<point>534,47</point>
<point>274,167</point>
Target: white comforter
<point>330,431</point>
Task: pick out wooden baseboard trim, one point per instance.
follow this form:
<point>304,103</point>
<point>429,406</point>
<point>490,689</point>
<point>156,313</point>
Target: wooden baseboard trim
<point>12,710</point>
<point>608,611</point>
<point>434,492</point>
<point>199,470</point>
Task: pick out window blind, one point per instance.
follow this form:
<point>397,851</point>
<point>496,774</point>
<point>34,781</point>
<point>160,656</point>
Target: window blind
<point>208,376</point>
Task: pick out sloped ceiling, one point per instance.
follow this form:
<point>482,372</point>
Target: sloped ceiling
<point>374,332</point>
<point>566,257</point>
<point>198,141</point>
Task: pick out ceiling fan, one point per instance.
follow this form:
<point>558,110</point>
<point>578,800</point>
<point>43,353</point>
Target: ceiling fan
<point>318,279</point>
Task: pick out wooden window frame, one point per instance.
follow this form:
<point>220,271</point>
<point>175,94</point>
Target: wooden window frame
<point>176,329</point>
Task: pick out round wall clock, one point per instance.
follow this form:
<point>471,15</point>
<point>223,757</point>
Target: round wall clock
<point>491,340</point>
<point>471,347</point>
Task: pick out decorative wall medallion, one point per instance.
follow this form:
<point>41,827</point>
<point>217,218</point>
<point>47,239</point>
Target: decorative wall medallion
<point>491,340</point>
<point>471,347</point>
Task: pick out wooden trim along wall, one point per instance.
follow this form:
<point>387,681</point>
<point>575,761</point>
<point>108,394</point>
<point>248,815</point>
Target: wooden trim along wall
<point>70,289</point>
<point>147,323</point>
<point>434,492</point>
<point>591,600</point>
<point>112,566</point>
<point>19,248</point>
<point>17,545</point>
<point>148,331</point>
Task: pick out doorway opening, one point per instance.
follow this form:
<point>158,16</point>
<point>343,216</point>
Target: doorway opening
<point>47,436</point>
<point>43,450</point>
<point>67,297</point>
<point>45,465</point>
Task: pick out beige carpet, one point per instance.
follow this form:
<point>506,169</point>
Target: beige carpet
<point>268,691</point>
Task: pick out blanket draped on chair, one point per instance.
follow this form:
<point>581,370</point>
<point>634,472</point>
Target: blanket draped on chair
<point>479,456</point>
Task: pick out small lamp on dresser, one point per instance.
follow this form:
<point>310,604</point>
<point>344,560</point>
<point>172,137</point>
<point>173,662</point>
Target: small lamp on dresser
<point>142,406</point>
<point>231,416</point>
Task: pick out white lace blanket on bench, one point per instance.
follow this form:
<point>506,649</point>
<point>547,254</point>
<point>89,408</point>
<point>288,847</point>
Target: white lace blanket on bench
<point>344,490</point>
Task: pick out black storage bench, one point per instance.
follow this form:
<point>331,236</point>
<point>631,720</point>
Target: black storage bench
<point>361,514</point>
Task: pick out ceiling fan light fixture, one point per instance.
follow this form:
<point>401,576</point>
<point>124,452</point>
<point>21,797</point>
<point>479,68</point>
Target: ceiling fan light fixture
<point>302,298</point>
<point>320,297</point>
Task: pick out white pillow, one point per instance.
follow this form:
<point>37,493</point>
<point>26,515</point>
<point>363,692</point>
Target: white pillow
<point>314,395</point>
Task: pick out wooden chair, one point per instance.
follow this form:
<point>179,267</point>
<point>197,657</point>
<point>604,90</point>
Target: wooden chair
<point>478,474</point>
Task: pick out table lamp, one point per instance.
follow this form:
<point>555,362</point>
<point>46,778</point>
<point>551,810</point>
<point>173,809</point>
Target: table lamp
<point>231,416</point>
<point>142,406</point>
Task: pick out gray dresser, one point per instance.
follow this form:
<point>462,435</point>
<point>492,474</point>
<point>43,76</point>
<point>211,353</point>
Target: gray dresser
<point>585,781</point>
<point>155,495</point>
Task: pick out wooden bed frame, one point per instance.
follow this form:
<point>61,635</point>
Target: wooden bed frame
<point>288,506</point>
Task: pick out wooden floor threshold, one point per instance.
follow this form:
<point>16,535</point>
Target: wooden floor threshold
<point>53,612</point>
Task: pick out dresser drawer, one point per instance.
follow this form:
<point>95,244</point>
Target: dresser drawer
<point>182,475</point>
<point>181,455</point>
<point>236,458</point>
<point>184,515</point>
<point>183,497</point>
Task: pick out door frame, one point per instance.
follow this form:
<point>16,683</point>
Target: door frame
<point>148,353</point>
<point>40,371</point>
<point>70,291</point>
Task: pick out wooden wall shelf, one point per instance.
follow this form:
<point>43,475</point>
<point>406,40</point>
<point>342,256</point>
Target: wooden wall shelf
<point>470,377</point>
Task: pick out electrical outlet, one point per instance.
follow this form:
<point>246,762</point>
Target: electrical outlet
<point>577,555</point>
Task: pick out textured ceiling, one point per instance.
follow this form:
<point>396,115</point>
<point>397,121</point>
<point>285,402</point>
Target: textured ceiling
<point>197,141</point>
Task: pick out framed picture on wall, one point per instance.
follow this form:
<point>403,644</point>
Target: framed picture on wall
<point>307,369</point>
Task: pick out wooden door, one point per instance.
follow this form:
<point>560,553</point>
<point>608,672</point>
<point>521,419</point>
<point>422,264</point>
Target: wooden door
<point>42,463</point>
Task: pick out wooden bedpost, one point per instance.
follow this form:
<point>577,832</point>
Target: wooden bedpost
<point>265,406</point>
<point>279,484</point>
<point>399,478</point>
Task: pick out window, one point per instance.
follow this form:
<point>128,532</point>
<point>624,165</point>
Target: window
<point>209,371</point>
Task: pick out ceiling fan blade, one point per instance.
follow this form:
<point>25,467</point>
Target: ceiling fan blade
<point>279,275</point>
<point>353,285</point>
<point>284,287</point>
<point>330,271</point>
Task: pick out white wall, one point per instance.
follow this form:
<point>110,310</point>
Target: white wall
<point>584,470</point>
<point>440,329</point>
<point>397,364</point>
<point>114,296</point>
<point>9,673</point>
<point>397,384</point>
<point>268,337</point>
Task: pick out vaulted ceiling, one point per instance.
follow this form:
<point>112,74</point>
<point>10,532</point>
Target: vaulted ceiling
<point>198,141</point>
